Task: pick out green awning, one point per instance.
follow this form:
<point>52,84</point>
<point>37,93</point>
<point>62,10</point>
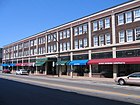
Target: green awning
<point>41,61</point>
<point>61,62</point>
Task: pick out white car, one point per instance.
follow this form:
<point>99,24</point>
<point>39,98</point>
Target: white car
<point>22,72</point>
<point>133,78</point>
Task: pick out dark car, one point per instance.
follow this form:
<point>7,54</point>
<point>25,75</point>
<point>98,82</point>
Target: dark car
<point>6,71</point>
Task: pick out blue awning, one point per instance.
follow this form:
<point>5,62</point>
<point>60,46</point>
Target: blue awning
<point>5,64</point>
<point>78,62</point>
<point>12,64</point>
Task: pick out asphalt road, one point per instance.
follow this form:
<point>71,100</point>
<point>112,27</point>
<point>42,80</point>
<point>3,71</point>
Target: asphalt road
<point>49,91</point>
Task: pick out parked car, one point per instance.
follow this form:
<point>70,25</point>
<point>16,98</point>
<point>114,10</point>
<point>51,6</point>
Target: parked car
<point>133,78</point>
<point>22,72</point>
<point>6,71</point>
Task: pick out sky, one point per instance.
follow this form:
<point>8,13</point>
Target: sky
<point>23,18</point>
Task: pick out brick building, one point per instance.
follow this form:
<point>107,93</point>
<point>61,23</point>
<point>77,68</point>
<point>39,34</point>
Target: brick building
<point>105,44</point>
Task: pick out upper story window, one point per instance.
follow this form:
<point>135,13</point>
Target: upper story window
<point>129,34</point>
<point>41,40</point>
<point>61,47</point>
<point>52,37</point>
<point>107,22</point>
<point>85,42</point>
<point>137,14</point>
<point>75,31</point>
<point>76,44</point>
<point>95,26</point>
<point>137,33</point>
<point>101,24</point>
<point>64,46</point>
<point>80,43</point>
<point>26,44</point>
<point>64,34</point>
<point>120,19</point>
<point>101,41</point>
<point>128,16</point>
<point>61,35</point>
<point>121,36</point>
<point>32,43</point>
<point>80,30</point>
<point>85,28</point>
<point>68,45</point>
<point>20,46</point>
<point>68,33</point>
<point>107,39</point>
<point>95,40</point>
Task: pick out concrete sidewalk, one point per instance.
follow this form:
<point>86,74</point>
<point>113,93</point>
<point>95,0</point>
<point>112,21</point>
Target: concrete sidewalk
<point>77,78</point>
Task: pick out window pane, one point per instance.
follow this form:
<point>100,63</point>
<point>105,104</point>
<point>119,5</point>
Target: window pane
<point>61,35</point>
<point>75,31</point>
<point>85,42</point>
<point>120,19</point>
<point>85,28</point>
<point>101,40</point>
<point>80,43</point>
<point>80,30</point>
<point>128,17</point>
<point>129,34</point>
<point>76,44</point>
<point>107,22</point>
<point>95,26</point>
<point>95,39</point>
<point>64,34</point>
<point>121,36</point>
<point>68,45</point>
<point>137,33</point>
<point>107,37</point>
<point>68,33</point>
<point>137,14</point>
<point>101,24</point>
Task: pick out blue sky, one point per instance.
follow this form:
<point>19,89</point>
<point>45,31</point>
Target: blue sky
<point>23,18</point>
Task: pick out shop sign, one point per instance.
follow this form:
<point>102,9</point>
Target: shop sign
<point>111,63</point>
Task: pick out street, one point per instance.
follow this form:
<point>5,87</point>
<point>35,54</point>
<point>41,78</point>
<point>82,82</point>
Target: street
<point>34,90</point>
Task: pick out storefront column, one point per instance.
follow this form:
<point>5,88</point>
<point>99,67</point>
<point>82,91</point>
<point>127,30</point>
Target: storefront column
<point>113,29</point>
<point>115,67</point>
<point>115,71</point>
<point>45,68</point>
<point>71,54</point>
<point>71,67</point>
<point>90,71</point>
<point>36,68</point>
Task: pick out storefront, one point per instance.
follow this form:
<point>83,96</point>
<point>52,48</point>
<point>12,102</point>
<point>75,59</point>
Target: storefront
<point>121,66</point>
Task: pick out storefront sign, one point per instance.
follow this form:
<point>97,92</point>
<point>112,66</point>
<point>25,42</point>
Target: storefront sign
<point>109,63</point>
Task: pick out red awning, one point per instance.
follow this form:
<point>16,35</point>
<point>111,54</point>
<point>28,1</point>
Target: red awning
<point>22,64</point>
<point>131,60</point>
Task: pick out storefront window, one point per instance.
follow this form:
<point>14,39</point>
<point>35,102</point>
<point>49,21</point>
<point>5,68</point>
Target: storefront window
<point>101,55</point>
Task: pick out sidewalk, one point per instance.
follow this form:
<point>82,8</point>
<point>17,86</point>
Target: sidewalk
<point>77,78</point>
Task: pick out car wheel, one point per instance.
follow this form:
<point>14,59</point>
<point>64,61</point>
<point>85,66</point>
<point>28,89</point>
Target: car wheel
<point>121,82</point>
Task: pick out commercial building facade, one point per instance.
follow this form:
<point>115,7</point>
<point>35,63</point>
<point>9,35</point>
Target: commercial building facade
<point>104,44</point>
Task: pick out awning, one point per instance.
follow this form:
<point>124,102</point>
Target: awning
<point>78,62</point>
<point>12,64</point>
<point>4,64</point>
<point>131,60</point>
<point>61,62</point>
<point>41,61</point>
<point>22,64</point>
